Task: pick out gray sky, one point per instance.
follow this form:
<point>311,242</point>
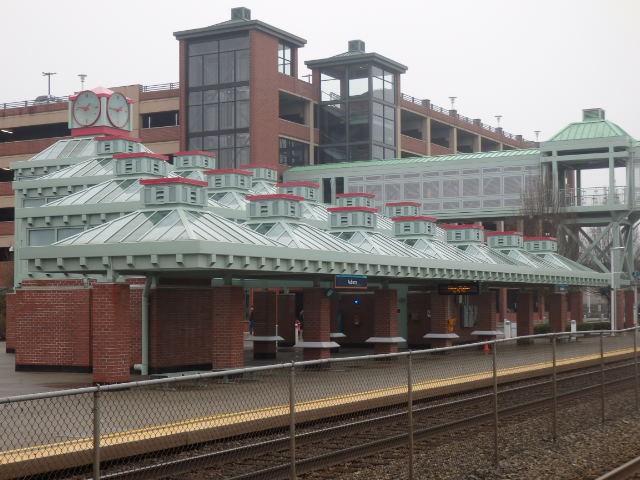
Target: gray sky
<point>537,63</point>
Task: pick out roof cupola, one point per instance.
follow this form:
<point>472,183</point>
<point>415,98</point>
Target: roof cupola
<point>272,206</point>
<point>139,164</point>
<point>174,191</point>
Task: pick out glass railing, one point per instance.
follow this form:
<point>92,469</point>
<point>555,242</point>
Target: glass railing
<point>595,196</point>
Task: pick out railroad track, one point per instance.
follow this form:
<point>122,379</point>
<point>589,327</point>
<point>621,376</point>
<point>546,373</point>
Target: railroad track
<point>322,445</point>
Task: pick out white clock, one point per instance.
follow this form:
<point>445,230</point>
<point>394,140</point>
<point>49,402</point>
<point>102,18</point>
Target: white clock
<point>86,108</point>
<point>118,110</point>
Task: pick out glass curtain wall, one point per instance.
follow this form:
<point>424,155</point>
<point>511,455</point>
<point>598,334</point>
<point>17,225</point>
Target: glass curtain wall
<point>356,116</point>
<point>218,99</point>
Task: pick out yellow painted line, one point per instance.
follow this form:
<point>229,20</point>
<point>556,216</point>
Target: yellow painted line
<point>229,419</point>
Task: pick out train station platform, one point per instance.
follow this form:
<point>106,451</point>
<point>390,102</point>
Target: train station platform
<point>14,383</point>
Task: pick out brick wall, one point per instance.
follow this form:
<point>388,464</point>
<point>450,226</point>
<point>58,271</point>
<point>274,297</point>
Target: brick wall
<point>418,308</point>
<point>227,336</point>
<point>110,332</point>
<point>179,329</point>
<point>51,325</point>
<point>317,322</point>
<point>385,319</point>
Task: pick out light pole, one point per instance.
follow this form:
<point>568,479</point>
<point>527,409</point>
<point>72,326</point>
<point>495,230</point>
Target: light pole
<point>613,288</point>
<point>48,75</point>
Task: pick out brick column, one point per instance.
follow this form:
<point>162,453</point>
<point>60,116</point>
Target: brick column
<point>576,306</point>
<point>227,340</point>
<point>557,303</point>
<point>10,345</point>
<point>502,300</point>
<point>629,316</point>
<point>287,318</point>
<point>487,309</point>
<point>265,319</point>
<point>441,311</point>
<point>385,322</point>
<point>317,325</point>
<point>524,316</point>
<point>110,332</point>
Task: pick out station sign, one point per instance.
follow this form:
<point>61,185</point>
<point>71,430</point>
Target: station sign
<point>561,288</point>
<point>358,282</point>
<point>468,288</point>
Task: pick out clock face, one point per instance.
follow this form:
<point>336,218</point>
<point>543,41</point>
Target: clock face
<point>118,110</point>
<point>86,108</point>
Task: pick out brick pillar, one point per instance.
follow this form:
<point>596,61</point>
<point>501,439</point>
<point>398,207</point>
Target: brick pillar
<point>576,306</point>
<point>629,317</point>
<point>10,343</point>
<point>287,318</point>
<point>110,332</point>
<point>542,306</point>
<point>557,303</point>
<point>502,300</point>
<point>227,340</point>
<point>620,310</point>
<point>265,319</point>
<point>385,321</point>
<point>487,309</point>
<point>524,316</point>
<point>317,324</point>
<point>441,311</point>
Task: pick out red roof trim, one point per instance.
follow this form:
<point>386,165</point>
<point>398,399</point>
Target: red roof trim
<point>274,196</point>
<point>453,227</point>
<point>497,234</point>
<point>259,165</point>
<point>414,218</point>
<point>99,91</point>
<point>298,184</point>
<point>221,171</point>
<point>352,209</point>
<point>356,194</point>
<point>117,137</point>
<point>87,131</point>
<point>533,239</point>
<point>160,181</point>
<point>195,152</point>
<point>401,204</point>
<point>118,156</point>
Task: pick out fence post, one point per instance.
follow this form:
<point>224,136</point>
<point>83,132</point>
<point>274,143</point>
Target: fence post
<point>495,404</point>
<point>96,433</point>
<point>602,375</point>
<point>410,412</point>
<point>292,420</point>
<point>554,386</point>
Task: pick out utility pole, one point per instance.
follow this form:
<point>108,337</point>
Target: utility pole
<point>48,75</point>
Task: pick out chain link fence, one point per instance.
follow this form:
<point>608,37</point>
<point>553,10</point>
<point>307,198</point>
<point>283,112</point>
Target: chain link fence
<point>285,420</point>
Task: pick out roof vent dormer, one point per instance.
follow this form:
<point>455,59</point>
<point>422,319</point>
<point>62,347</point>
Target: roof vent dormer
<point>110,144</point>
<point>174,191</point>
<point>414,226</point>
<point>540,244</point>
<point>360,199</point>
<point>194,159</point>
<point>140,164</point>
<point>240,13</point>
<point>352,218</point>
<point>464,234</point>
<point>274,206</point>
<point>307,190</point>
<point>262,173</point>
<point>509,240</point>
<point>403,209</point>
<point>356,46</point>
<point>590,114</point>
<point>229,180</point>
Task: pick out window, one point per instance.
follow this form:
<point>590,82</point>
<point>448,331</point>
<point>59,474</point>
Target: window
<point>284,59</point>
<point>41,237</point>
<point>293,153</point>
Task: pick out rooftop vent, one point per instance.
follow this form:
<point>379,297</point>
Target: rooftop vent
<point>240,13</point>
<point>592,114</point>
<point>356,46</point>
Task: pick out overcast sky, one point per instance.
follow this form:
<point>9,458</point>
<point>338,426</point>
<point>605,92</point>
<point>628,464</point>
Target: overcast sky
<point>537,63</point>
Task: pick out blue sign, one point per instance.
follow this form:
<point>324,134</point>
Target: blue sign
<point>561,288</point>
<point>351,281</point>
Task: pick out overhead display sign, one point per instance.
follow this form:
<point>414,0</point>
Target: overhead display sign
<point>351,281</point>
<point>469,288</point>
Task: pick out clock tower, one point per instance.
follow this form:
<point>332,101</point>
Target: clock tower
<point>100,111</point>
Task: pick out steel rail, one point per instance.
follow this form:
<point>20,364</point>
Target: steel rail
<point>623,472</point>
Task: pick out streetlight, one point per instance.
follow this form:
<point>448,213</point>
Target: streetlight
<point>453,102</point>
<point>613,288</point>
<point>48,75</point>
<point>498,118</point>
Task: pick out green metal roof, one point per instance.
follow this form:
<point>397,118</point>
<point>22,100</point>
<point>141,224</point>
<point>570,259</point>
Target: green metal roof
<point>433,159</point>
<point>589,130</point>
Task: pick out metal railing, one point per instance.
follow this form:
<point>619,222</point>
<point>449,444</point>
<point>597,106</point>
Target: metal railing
<point>106,428</point>
<point>595,196</point>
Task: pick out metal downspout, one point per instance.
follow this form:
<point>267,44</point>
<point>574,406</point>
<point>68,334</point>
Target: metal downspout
<point>143,367</point>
